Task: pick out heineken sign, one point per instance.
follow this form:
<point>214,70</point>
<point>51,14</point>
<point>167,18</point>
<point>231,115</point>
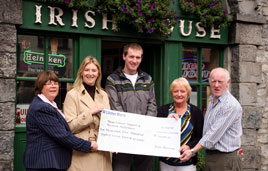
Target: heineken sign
<point>38,58</point>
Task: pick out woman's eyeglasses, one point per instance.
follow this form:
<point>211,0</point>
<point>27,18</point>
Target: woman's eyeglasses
<point>52,83</point>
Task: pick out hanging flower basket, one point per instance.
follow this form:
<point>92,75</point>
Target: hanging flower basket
<point>77,4</point>
<point>149,15</point>
<point>210,12</point>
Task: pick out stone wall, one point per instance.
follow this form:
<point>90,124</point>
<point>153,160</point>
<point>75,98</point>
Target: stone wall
<point>249,70</point>
<point>10,15</point>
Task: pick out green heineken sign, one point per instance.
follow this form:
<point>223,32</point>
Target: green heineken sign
<point>38,58</point>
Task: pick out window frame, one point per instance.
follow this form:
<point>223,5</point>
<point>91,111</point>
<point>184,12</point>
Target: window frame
<point>46,35</point>
<point>199,84</point>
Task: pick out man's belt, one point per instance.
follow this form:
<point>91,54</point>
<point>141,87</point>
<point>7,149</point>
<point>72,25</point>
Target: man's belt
<point>217,152</point>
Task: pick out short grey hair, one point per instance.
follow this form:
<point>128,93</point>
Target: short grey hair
<point>226,72</point>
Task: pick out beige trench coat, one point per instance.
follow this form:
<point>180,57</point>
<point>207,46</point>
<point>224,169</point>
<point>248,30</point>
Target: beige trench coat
<point>77,109</point>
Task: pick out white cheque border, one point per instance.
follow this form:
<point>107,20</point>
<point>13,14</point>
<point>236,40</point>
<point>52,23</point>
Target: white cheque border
<point>138,134</point>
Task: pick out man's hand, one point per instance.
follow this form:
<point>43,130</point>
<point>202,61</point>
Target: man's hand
<point>186,155</point>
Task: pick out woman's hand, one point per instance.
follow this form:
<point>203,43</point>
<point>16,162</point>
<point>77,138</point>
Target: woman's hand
<point>98,108</point>
<point>94,146</point>
<point>173,116</point>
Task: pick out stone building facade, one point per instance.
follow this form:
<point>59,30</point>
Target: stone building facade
<point>10,16</point>
<point>248,61</point>
<point>246,57</point>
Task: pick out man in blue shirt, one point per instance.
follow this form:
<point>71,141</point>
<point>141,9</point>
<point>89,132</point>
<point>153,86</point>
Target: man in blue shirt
<point>222,126</point>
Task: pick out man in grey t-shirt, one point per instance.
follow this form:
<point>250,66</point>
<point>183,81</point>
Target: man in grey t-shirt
<point>131,90</point>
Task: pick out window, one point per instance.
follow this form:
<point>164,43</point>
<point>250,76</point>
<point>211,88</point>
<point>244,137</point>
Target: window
<point>41,53</point>
<point>197,62</point>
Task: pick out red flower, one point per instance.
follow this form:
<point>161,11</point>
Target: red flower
<point>240,152</point>
<point>67,1</point>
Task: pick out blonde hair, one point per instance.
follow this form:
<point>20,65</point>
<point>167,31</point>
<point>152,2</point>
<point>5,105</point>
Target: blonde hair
<point>79,78</point>
<point>181,82</point>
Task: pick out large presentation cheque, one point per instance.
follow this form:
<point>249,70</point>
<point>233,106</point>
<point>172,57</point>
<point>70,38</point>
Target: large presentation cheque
<point>138,134</point>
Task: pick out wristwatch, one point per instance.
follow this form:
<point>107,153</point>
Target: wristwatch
<point>193,152</point>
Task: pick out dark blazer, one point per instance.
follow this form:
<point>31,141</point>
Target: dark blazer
<point>49,139</point>
<point>197,121</point>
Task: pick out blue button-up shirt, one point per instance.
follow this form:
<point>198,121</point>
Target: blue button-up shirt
<point>222,125</point>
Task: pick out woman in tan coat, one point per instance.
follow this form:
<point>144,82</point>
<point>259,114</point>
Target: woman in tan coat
<point>82,107</point>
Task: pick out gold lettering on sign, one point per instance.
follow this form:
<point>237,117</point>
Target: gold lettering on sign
<point>56,15</point>
<point>104,22</point>
<point>182,28</point>
<point>53,16</point>
<point>201,32</point>
<point>74,24</point>
<point>215,33</point>
<point>89,19</point>
<point>38,14</point>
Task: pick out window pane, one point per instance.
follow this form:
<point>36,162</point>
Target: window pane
<point>60,56</point>
<point>111,58</point>
<point>210,61</point>
<point>25,92</point>
<point>30,56</point>
<point>25,95</point>
<point>190,64</point>
<point>194,96</point>
<point>205,98</point>
<point>62,93</point>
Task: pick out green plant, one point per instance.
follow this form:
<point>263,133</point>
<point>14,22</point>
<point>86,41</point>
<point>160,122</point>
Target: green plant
<point>77,4</point>
<point>148,15</point>
<point>201,161</point>
<point>210,12</point>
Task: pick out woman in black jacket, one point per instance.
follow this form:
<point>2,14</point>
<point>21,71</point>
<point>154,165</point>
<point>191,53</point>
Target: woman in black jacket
<point>49,139</point>
<point>191,124</point>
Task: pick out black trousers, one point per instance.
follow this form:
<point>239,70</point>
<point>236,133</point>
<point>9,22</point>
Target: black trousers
<point>123,162</point>
<point>48,169</point>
